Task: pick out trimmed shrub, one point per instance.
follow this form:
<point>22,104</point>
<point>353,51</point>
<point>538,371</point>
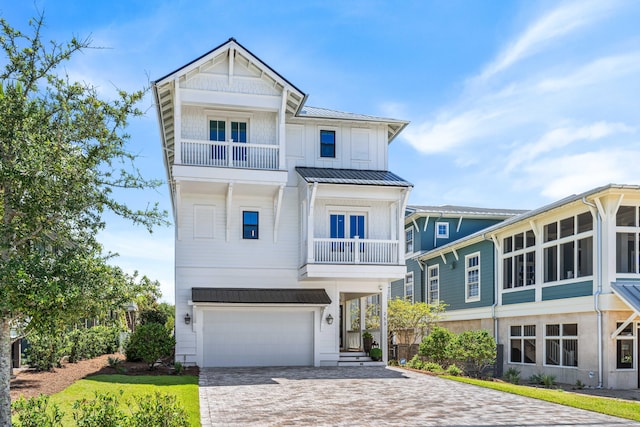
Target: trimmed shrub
<point>416,362</point>
<point>435,347</point>
<point>149,343</point>
<point>375,353</point>
<point>102,411</point>
<point>36,412</point>
<point>45,351</point>
<point>87,343</point>
<point>159,409</point>
<point>476,350</point>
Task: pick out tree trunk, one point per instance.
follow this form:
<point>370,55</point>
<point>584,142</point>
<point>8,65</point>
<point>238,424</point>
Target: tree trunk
<point>5,372</point>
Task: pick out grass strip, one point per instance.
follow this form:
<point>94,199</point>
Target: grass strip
<point>184,387</point>
<point>604,405</point>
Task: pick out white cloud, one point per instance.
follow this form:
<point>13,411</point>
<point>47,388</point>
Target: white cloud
<point>550,28</point>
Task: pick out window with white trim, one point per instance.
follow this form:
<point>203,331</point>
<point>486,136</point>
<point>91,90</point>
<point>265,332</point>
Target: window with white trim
<point>328,143</point>
<point>408,287</point>
<point>625,343</point>
<point>627,239</point>
<point>519,260</point>
<point>561,344</point>
<point>442,230</point>
<point>228,130</point>
<point>568,248</point>
<point>408,233</point>
<point>433,284</point>
<point>522,340</point>
<point>472,277</point>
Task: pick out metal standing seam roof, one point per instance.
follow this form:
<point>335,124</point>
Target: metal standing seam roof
<point>464,210</point>
<point>351,176</point>
<point>629,292</point>
<point>527,215</point>
<point>325,113</point>
<point>260,296</point>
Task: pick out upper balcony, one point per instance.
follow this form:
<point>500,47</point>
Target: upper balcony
<point>230,154</point>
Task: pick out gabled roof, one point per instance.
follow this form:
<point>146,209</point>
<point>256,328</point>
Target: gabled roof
<point>525,217</point>
<point>260,296</point>
<point>394,126</point>
<point>351,176</point>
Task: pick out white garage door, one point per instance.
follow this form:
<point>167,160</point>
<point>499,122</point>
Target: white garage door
<point>258,338</point>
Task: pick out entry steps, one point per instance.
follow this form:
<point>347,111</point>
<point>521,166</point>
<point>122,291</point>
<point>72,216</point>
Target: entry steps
<point>357,358</point>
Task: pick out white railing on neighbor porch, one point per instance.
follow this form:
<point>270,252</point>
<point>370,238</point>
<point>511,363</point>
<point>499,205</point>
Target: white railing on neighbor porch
<point>355,251</point>
<point>229,154</point>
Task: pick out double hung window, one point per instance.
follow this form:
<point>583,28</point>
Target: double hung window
<point>250,224</point>
<point>408,287</point>
<point>328,143</point>
<point>433,284</point>
<point>624,347</point>
<point>472,277</point>
<point>409,240</point>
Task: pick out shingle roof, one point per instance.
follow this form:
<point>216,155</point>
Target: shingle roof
<point>465,210</point>
<point>260,296</point>
<point>351,176</point>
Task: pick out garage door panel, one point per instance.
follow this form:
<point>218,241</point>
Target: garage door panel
<point>264,338</point>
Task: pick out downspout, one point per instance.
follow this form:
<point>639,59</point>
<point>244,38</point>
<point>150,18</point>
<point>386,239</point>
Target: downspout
<point>596,296</point>
<point>495,288</point>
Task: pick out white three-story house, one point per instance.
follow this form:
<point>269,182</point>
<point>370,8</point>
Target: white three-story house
<point>287,221</point>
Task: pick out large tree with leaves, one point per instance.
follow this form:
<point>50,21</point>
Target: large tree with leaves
<point>62,153</point>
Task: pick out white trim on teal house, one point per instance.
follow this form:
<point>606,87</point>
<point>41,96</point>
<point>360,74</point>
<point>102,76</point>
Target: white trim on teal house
<point>569,274</point>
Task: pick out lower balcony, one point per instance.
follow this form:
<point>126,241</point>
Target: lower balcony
<point>354,259</point>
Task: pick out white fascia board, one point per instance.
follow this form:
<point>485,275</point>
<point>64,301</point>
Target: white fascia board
<point>545,308</point>
<point>333,271</point>
<point>239,176</point>
<point>231,99</point>
<point>360,192</point>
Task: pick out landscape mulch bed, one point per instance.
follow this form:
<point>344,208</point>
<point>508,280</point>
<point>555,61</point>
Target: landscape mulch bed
<point>30,383</point>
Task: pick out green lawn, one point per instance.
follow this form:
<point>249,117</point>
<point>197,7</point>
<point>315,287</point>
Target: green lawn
<point>185,388</point>
<point>615,407</point>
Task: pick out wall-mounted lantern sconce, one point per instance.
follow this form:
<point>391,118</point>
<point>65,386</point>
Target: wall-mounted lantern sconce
<point>187,319</point>
<point>330,319</point>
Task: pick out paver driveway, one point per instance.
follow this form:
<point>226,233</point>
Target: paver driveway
<point>370,397</point>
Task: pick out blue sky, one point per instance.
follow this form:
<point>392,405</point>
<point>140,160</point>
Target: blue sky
<point>513,104</point>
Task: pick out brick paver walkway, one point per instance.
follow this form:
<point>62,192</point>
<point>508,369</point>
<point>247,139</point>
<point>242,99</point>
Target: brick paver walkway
<point>370,397</point>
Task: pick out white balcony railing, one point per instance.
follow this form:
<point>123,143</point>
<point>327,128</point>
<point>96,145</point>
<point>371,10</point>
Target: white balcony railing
<point>355,251</point>
<point>229,154</point>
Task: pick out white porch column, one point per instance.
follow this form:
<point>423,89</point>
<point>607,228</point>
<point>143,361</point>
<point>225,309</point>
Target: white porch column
<point>384,341</point>
<point>282,132</point>
<point>177,124</point>
<point>311,194</point>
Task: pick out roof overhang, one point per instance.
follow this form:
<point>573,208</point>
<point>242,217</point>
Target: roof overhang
<point>241,296</point>
<point>629,293</point>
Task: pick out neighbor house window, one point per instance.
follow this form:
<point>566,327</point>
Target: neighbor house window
<point>433,284</point>
<point>519,260</point>
<point>523,344</point>
<point>408,287</point>
<point>328,143</point>
<point>409,240</point>
<point>627,239</point>
<point>472,277</point>
<point>249,224</point>
<point>442,230</point>
<point>561,344</point>
<point>568,248</point>
<point>624,347</point>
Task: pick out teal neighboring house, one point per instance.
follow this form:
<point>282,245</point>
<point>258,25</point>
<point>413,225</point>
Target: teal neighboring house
<point>558,286</point>
<point>428,228</point>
